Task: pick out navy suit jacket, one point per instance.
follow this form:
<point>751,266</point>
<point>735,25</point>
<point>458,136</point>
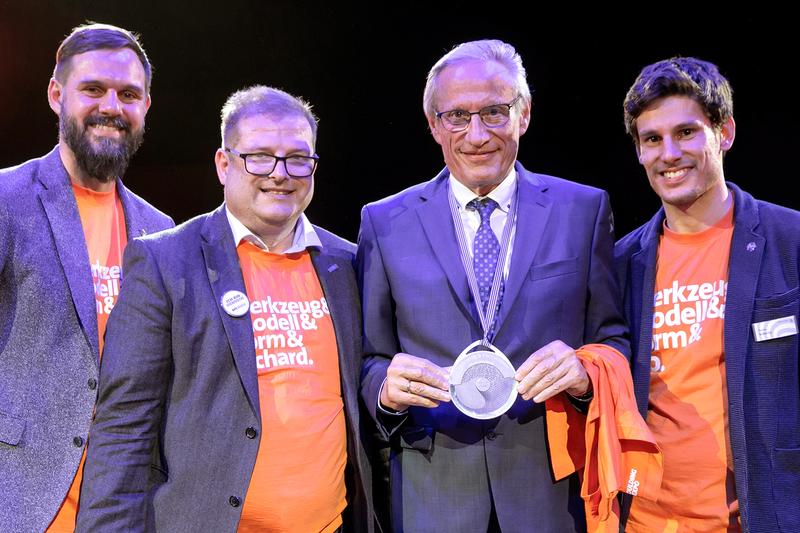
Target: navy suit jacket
<point>446,467</point>
<point>48,336</point>
<point>173,444</point>
<point>762,377</point>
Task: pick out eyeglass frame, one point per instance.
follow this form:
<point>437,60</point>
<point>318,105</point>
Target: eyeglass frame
<point>278,159</point>
<point>445,123</point>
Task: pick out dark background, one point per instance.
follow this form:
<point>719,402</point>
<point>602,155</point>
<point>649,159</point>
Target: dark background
<point>364,70</point>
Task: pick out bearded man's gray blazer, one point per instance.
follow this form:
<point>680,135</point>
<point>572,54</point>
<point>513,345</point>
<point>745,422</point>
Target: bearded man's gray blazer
<point>48,336</point>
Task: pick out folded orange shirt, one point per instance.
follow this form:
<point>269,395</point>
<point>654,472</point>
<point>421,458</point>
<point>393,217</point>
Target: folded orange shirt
<point>611,446</point>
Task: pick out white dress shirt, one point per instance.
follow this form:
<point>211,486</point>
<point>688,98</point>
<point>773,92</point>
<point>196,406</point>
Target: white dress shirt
<point>304,234</point>
<point>503,194</point>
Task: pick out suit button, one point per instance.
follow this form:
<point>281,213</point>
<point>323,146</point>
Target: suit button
<point>78,442</point>
<point>92,383</point>
<point>251,432</point>
<point>234,501</point>
<point>491,435</point>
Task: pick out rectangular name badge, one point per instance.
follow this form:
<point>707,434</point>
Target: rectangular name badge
<point>775,329</point>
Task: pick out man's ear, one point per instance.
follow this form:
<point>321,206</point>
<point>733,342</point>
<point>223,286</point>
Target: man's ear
<point>727,134</point>
<point>222,164</point>
<point>54,95</point>
<point>525,118</point>
<point>437,135</point>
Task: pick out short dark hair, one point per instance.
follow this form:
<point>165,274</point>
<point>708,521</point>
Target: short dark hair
<point>94,36</point>
<point>262,100</point>
<point>680,76</point>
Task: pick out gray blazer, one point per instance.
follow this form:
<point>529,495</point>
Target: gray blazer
<point>178,420</point>
<point>48,336</point>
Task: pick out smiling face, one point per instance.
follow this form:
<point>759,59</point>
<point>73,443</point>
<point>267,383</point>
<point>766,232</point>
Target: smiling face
<point>682,154</point>
<point>479,156</point>
<point>101,107</point>
<point>269,206</point>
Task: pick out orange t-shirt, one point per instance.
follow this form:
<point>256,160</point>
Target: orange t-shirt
<point>610,446</point>
<point>103,224</point>
<point>688,393</point>
<point>298,480</point>
<point>104,228</point>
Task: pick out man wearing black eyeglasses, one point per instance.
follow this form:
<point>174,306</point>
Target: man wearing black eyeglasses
<point>232,361</point>
<point>536,252</point>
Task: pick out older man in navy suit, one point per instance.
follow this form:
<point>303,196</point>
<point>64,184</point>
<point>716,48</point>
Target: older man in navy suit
<point>64,221</point>
<point>427,295</point>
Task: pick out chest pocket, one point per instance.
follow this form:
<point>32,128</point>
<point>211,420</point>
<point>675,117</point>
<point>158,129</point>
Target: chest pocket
<point>776,317</point>
<point>556,268</point>
<point>11,429</point>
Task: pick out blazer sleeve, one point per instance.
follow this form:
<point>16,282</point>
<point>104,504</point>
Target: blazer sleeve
<point>134,378</point>
<point>4,234</point>
<point>605,323</point>
<point>380,337</point>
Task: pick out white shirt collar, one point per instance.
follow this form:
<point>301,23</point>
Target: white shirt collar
<point>501,194</point>
<point>304,234</point>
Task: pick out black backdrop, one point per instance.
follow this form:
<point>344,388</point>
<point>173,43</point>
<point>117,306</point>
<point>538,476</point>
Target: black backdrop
<point>364,70</point>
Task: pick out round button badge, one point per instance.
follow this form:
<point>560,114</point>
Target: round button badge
<point>235,303</point>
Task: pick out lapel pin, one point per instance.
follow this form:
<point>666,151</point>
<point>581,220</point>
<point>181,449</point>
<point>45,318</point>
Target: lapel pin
<point>235,303</point>
<point>751,246</point>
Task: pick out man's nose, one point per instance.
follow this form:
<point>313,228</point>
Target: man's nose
<point>279,173</point>
<point>477,132</point>
<point>670,150</point>
<point>110,104</point>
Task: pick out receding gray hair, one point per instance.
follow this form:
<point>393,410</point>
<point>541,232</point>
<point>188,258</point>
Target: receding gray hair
<point>484,50</point>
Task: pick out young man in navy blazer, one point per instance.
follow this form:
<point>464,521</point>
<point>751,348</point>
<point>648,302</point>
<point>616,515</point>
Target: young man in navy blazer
<point>710,288</point>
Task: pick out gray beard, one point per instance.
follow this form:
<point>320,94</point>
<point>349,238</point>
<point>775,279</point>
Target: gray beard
<point>108,158</point>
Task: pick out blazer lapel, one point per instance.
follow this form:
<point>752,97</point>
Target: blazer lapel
<point>332,274</point>
<point>135,223</point>
<point>533,210</point>
<point>224,275</point>
<point>62,214</point>
<point>437,222</point>
<point>744,266</point>
<point>643,280</point>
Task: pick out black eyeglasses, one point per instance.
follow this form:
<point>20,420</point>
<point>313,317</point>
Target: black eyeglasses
<point>492,116</point>
<point>297,166</point>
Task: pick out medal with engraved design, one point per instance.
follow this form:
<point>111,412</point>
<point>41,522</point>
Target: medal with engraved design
<point>482,384</point>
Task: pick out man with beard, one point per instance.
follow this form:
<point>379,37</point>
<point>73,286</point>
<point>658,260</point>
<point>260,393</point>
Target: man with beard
<point>64,221</point>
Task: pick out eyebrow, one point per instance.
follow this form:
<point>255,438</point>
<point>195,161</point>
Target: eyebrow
<point>466,108</point>
<point>681,126</point>
<point>304,150</point>
<point>128,87</point>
